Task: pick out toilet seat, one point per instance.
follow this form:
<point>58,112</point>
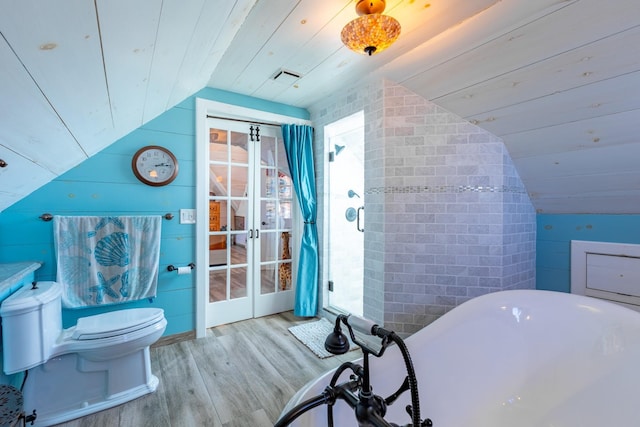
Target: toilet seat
<point>115,323</point>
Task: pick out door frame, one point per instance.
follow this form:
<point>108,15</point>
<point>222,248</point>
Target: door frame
<point>204,108</point>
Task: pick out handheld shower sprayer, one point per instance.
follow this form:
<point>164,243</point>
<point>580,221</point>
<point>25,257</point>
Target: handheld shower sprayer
<point>369,408</point>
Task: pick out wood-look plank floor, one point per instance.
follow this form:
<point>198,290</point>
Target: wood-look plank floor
<point>242,374</point>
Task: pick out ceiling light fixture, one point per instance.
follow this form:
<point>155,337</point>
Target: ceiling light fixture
<point>372,32</point>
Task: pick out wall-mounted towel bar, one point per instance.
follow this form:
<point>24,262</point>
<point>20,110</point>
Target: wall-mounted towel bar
<point>48,217</point>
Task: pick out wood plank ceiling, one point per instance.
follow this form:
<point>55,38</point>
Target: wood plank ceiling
<point>559,81</point>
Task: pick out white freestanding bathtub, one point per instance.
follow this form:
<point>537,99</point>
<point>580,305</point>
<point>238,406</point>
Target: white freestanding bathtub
<point>520,358</point>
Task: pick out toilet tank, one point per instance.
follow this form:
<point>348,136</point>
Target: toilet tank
<point>31,323</point>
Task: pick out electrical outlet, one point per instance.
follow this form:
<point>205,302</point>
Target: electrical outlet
<point>187,216</point>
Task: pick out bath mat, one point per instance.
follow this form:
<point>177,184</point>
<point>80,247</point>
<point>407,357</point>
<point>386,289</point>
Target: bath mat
<point>313,334</point>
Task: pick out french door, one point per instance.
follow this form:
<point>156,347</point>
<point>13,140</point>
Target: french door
<point>251,216</point>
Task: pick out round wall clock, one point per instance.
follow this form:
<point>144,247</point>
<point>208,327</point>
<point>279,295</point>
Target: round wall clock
<point>155,165</point>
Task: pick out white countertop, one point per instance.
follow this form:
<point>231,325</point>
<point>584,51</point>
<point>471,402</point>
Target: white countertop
<point>13,273</point>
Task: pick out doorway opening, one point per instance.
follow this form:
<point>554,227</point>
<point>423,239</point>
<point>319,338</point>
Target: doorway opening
<point>247,216</point>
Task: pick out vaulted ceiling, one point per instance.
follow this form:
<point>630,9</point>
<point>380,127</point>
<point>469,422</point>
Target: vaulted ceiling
<point>558,81</point>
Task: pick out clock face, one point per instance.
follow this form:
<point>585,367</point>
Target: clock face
<point>155,165</point>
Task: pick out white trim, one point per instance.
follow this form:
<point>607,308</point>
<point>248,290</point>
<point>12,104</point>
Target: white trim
<point>205,107</point>
<point>201,151</point>
<point>231,111</point>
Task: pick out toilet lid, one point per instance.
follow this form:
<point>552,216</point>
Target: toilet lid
<point>116,323</point>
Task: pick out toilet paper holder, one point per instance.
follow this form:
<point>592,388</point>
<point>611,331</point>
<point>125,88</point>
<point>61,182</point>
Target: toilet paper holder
<point>171,267</point>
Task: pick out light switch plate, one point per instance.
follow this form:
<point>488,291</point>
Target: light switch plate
<point>187,216</point>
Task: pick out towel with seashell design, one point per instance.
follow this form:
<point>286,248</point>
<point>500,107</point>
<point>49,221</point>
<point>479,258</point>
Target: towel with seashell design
<point>106,260</point>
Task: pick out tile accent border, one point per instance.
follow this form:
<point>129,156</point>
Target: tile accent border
<point>416,189</point>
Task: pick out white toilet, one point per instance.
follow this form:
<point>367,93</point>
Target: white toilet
<point>99,363</point>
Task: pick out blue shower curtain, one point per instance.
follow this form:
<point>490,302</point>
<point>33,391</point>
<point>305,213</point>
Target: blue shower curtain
<point>298,144</point>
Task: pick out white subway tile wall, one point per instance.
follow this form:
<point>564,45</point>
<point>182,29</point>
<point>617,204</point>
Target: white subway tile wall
<point>447,216</point>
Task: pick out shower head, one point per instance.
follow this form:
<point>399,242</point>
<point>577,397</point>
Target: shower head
<point>352,194</point>
<point>339,148</point>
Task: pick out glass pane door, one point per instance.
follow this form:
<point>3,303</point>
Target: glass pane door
<point>275,224</point>
<point>346,213</point>
<point>229,179</point>
<point>250,223</point>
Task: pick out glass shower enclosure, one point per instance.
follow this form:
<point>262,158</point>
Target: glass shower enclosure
<point>345,140</point>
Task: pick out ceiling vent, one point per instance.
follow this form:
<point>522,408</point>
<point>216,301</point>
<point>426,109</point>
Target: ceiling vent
<point>286,77</point>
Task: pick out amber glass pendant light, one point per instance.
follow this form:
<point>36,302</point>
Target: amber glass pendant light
<point>372,32</point>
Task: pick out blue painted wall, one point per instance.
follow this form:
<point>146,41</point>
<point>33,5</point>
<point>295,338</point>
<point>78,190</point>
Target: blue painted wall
<point>554,235</point>
<point>105,185</point>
